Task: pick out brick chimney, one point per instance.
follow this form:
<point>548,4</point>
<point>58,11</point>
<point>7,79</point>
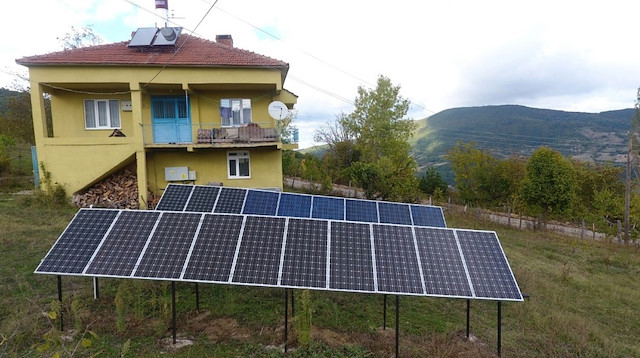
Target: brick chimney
<point>224,40</point>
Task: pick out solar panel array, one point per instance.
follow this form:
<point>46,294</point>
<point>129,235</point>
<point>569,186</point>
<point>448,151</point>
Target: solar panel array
<point>274,251</point>
<point>182,197</point>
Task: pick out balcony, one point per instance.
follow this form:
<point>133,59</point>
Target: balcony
<point>213,135</point>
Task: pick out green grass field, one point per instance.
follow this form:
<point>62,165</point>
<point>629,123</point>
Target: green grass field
<point>585,302</point>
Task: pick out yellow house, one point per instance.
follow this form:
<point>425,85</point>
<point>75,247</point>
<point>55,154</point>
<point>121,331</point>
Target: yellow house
<point>182,108</point>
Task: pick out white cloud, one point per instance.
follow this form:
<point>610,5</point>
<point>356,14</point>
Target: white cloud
<point>571,55</point>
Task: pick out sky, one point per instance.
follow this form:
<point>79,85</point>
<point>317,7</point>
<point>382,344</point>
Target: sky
<point>567,55</point>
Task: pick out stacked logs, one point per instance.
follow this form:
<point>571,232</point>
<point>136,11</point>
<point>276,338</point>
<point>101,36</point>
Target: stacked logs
<point>118,191</point>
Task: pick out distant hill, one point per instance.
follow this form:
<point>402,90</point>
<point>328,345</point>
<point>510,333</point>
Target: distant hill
<point>512,129</point>
<point>5,95</point>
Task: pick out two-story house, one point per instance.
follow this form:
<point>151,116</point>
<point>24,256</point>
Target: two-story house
<point>178,106</point>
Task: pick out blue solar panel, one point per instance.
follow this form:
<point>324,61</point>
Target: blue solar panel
<point>488,268</point>
<point>392,213</point>
<point>351,265</point>
<point>74,248</point>
<point>305,256</point>
<point>261,203</point>
<point>175,197</point>
<point>396,260</point>
<point>328,208</point>
<point>361,210</point>
<point>427,216</point>
<point>122,247</point>
<point>294,205</point>
<point>202,199</point>
<point>442,266</point>
<point>230,201</point>
<point>260,251</point>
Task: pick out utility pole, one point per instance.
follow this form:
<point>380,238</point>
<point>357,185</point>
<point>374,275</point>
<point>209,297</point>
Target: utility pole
<point>627,194</point>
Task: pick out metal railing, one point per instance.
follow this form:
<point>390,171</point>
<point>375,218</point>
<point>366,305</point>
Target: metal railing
<point>215,133</point>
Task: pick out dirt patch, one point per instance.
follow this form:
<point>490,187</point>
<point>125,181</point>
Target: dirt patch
<point>223,329</point>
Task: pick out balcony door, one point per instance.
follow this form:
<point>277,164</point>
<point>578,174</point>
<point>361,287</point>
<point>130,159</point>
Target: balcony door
<point>170,119</point>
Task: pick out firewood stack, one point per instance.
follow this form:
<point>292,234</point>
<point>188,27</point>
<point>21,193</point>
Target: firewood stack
<point>118,191</point>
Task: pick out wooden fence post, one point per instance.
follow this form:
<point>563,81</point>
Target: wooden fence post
<point>582,230</point>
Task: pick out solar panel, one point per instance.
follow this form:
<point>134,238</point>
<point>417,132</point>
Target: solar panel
<point>202,199</point>
<point>442,266</point>
<point>427,216</point>
<point>169,245</point>
<point>489,270</point>
<point>143,37</point>
<point>215,246</point>
<point>351,264</point>
<point>305,256</point>
<point>328,208</point>
<point>175,197</point>
<point>73,250</point>
<point>294,205</point>
<point>361,210</point>
<point>261,203</point>
<point>396,261</point>
<point>121,248</point>
<point>393,213</point>
<point>283,252</point>
<point>230,200</point>
<point>258,260</point>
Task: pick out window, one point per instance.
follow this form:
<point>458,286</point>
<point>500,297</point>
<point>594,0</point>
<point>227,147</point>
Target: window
<point>235,112</point>
<point>238,165</point>
<point>101,113</point>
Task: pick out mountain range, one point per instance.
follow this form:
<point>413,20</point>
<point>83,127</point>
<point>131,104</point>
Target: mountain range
<point>506,130</point>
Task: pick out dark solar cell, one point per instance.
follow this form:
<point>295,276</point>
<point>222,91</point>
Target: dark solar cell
<point>328,208</point>
<point>396,260</point>
<point>427,216</point>
<point>214,249</point>
<point>351,259</point>
<point>258,259</point>
<point>167,251</point>
<point>203,198</point>
<point>74,248</point>
<point>230,201</point>
<point>174,197</point>
<point>361,210</point>
<point>442,266</point>
<point>261,203</point>
<point>489,270</point>
<point>305,256</point>
<point>122,247</point>
<point>392,213</point>
<point>294,205</point>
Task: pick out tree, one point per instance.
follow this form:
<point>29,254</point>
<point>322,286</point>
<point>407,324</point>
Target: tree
<point>79,37</point>
<point>379,131</point>
<point>432,181</point>
<point>549,183</point>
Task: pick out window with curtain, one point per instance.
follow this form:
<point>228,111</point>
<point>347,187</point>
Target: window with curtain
<point>101,113</point>
<point>235,111</point>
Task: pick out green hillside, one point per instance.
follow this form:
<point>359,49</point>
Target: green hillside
<point>511,129</point>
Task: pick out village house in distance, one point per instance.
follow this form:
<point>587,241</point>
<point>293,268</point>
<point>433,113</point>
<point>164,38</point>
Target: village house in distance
<point>177,107</point>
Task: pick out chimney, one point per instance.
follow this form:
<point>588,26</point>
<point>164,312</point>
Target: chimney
<point>224,40</point>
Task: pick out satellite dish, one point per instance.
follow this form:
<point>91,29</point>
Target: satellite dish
<point>278,110</point>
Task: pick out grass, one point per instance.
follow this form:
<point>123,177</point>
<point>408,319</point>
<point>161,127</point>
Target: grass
<point>585,299</point>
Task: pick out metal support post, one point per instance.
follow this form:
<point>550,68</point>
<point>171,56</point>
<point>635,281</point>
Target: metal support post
<point>397,324</point>
<point>468,311</point>
<point>293,304</point>
<point>96,289</point>
<point>286,319</point>
<point>499,329</point>
<point>384,313</point>
<point>197,298</point>
<point>173,310</point>
<point>60,300</point>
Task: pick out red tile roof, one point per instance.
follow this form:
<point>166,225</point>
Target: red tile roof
<point>188,51</point>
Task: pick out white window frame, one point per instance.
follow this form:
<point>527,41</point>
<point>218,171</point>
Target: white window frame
<point>111,110</point>
<point>242,106</point>
<point>233,161</point>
